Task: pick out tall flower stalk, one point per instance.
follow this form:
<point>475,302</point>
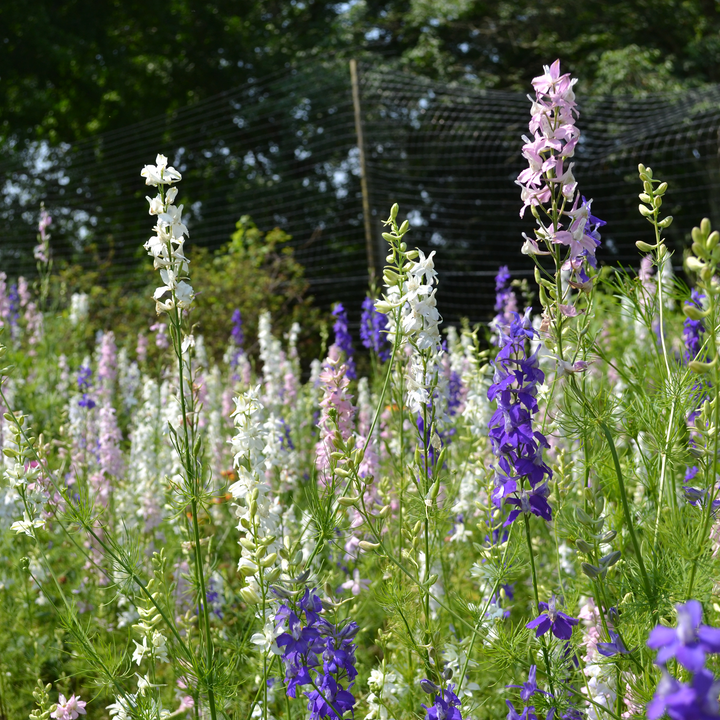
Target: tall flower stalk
<point>172,298</point>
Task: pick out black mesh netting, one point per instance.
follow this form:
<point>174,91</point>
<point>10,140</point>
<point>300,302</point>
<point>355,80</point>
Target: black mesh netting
<point>284,151</point>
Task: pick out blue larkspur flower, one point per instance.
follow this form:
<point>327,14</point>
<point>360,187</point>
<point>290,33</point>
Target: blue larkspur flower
<point>516,444</point>
<point>693,330</point>
<point>237,334</point>
<point>319,654</point>
<point>552,619</point>
<point>373,330</point>
<point>343,340</point>
<point>689,642</point>
<point>445,702</point>
<point>84,381</point>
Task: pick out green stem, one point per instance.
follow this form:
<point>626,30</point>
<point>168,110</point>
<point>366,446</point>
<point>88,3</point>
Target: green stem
<point>546,658</point>
<point>626,508</point>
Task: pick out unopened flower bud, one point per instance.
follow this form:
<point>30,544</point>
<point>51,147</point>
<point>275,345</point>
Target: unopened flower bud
<point>249,595</point>
<point>429,687</point>
<point>368,546</point>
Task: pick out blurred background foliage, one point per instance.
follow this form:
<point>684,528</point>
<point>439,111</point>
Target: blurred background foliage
<point>73,68</point>
<point>94,89</point>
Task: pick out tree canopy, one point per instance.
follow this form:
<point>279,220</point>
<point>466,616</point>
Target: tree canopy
<point>72,68</point>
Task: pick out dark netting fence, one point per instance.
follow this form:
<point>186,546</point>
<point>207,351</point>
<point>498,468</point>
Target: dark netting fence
<point>284,150</point>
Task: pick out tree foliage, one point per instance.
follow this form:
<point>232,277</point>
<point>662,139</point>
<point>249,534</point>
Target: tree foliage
<point>73,68</point>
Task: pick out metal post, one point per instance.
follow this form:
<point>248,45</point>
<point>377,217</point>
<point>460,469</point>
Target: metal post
<point>369,248</point>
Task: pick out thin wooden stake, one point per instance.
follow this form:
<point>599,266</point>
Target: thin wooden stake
<point>369,246</point>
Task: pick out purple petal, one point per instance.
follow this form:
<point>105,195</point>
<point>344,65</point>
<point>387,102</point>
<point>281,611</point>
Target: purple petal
<point>709,638</point>
<point>662,636</point>
<point>562,629</point>
<point>691,658</point>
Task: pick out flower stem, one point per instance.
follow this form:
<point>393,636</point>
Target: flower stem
<point>626,508</point>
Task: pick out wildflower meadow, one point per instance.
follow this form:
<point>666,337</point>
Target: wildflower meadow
<point>515,520</point>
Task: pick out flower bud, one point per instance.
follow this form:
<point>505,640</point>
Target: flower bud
<point>583,546</point>
<point>429,687</point>
<point>269,560</point>
<point>394,211</point>
<point>643,246</point>
<point>694,313</point>
<point>610,559</point>
<point>700,368</point>
<point>247,566</point>
<point>591,571</point>
<point>249,595</point>
<point>367,546</point>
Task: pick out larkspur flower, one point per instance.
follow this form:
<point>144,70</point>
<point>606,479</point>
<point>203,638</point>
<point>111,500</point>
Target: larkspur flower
<point>528,713</point>
<point>79,308</point>
<point>355,584</point>
<point>689,642</point>
<point>343,340</point>
<point>693,330</point>
<point>505,303</point>
<point>167,246</point>
<point>42,249</point>
<point>84,380</point>
<point>69,708</point>
<point>336,402</point>
<point>516,444</point>
<point>529,688</point>
<point>237,334</point>
<point>373,330</point>
<point>160,173</point>
<point>616,646</point>
<point>445,702</point>
<point>549,176</point>
<point>552,619</point>
<point>316,652</point>
<point>698,701</point>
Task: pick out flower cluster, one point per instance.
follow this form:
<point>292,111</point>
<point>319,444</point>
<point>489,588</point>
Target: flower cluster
<point>527,690</point>
<point>337,410</point>
<point>259,511</point>
<point>693,329</point>
<point>516,445</point>
<point>373,330</point>
<point>505,301</point>
<point>688,643</point>
<point>68,708</point>
<point>549,179</point>
<point>167,246</point>
<point>84,381</point>
<point>42,249</point>
<point>343,341</point>
<point>445,702</point>
<point>317,653</point>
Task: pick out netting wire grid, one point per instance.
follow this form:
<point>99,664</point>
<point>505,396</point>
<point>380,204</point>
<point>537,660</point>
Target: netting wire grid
<point>284,150</point>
